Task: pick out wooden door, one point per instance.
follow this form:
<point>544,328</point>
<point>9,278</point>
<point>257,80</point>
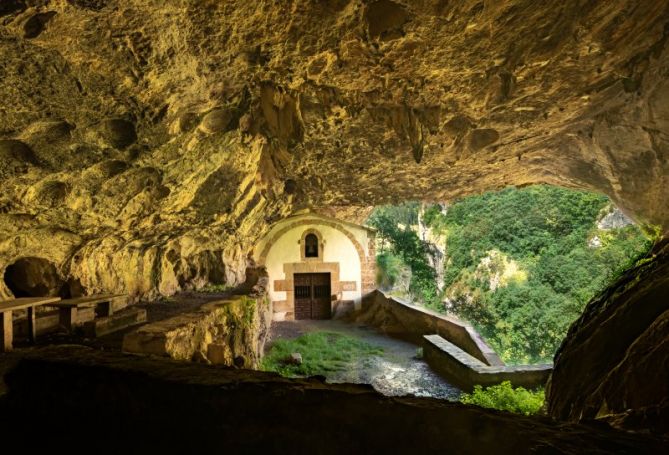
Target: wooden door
<point>312,296</point>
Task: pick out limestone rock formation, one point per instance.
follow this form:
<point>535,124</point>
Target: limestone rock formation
<point>136,140</point>
<point>226,332</point>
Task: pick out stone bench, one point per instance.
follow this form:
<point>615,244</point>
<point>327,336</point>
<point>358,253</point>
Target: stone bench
<point>7,309</point>
<point>69,308</point>
<point>466,371</point>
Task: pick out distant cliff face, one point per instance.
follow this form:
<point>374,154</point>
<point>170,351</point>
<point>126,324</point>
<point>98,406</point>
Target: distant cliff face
<point>137,140</point>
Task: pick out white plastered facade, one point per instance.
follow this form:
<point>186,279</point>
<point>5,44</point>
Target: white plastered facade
<point>346,251</point>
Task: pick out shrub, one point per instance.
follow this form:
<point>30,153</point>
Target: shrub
<point>505,398</point>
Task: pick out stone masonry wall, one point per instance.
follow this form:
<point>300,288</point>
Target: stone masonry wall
<point>466,371</point>
<point>403,320</point>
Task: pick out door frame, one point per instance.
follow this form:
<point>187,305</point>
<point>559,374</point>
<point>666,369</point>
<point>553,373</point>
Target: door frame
<point>323,303</point>
<point>290,269</point>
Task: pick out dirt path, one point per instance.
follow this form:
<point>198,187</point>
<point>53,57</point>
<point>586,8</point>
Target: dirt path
<point>395,373</point>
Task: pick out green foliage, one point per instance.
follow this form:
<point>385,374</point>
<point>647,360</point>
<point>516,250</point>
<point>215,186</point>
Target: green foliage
<point>545,230</point>
<point>322,352</point>
<point>388,269</point>
<point>215,288</point>
<point>405,243</point>
<point>249,311</point>
<point>505,398</point>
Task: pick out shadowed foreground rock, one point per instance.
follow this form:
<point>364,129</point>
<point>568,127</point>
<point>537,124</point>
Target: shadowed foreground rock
<point>614,362</point>
<point>136,403</point>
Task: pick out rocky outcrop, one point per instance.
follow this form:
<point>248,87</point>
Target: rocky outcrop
<point>137,139</point>
<point>613,219</point>
<point>151,405</point>
<point>226,332</point>
<point>613,364</point>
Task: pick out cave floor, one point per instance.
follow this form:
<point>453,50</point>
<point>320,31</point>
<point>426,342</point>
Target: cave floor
<point>398,372</point>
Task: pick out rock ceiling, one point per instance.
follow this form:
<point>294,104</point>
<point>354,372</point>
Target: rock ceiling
<point>140,139</point>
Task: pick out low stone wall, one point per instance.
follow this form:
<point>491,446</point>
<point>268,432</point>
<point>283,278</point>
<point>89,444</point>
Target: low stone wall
<point>403,320</point>
<point>465,371</point>
<point>226,332</point>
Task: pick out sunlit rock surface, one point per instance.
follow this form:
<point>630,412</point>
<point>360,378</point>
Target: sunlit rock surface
<point>145,149</point>
<point>225,332</point>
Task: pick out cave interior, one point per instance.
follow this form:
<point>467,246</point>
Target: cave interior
<point>146,148</point>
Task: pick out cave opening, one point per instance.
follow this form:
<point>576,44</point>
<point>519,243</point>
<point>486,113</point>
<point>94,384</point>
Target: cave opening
<point>148,156</point>
<point>37,277</point>
<point>519,264</point>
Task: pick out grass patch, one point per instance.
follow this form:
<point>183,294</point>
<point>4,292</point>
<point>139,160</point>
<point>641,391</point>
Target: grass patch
<point>322,353</point>
<point>505,398</point>
<point>215,288</point>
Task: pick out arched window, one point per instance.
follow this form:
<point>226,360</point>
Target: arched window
<point>311,246</point>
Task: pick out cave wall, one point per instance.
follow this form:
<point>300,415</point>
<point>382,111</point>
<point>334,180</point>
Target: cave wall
<point>136,140</point>
<point>145,148</point>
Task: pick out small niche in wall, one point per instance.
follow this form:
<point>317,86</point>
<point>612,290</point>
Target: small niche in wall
<point>311,246</point>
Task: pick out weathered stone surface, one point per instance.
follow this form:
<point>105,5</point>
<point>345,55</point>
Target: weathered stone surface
<point>219,332</point>
<point>404,320</point>
<point>216,121</point>
<point>188,128</point>
<point>614,362</point>
<point>156,404</point>
<point>294,359</point>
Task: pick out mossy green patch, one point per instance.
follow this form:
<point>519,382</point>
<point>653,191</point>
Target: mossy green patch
<point>249,311</point>
<point>215,288</point>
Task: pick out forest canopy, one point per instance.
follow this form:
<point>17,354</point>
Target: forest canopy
<point>519,264</point>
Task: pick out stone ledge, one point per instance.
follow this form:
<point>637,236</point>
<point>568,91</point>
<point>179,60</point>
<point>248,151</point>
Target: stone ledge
<point>466,371</point>
<point>240,323</point>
